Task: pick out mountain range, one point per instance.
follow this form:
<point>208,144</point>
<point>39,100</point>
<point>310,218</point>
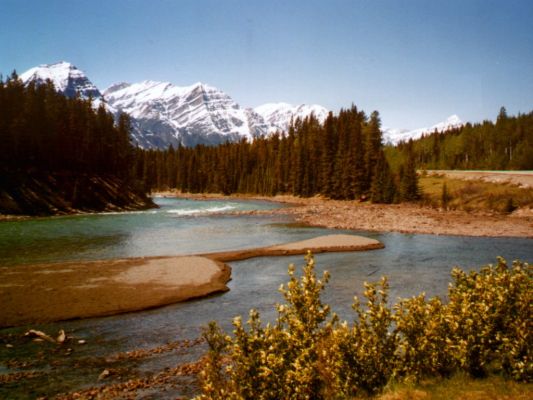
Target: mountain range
<point>163,114</point>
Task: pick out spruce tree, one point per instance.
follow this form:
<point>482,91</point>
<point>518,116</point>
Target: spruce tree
<point>373,147</point>
<point>409,190</point>
<point>383,188</point>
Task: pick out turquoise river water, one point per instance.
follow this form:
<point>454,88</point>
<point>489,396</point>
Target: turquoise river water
<point>413,263</point>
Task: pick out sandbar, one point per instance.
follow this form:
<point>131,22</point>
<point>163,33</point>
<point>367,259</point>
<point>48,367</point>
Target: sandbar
<point>42,293</point>
<point>320,244</point>
<point>54,292</point>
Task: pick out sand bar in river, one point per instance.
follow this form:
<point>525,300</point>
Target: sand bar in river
<point>81,289</point>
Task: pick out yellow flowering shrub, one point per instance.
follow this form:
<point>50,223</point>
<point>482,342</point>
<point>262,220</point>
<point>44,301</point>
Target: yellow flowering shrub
<point>424,348</point>
<point>276,361</point>
<point>361,357</point>
<point>492,319</point>
<point>307,354</point>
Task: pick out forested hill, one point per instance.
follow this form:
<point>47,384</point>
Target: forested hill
<point>506,144</point>
<point>60,155</point>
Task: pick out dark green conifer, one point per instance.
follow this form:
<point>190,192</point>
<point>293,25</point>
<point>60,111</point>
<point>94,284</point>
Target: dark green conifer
<point>409,189</point>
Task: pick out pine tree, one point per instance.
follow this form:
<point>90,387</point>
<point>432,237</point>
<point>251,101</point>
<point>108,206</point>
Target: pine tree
<point>373,146</point>
<point>409,190</point>
<point>383,189</point>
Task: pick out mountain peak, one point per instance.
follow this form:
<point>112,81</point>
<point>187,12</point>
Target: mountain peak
<point>58,66</point>
<point>454,119</point>
<point>65,76</point>
<point>117,86</point>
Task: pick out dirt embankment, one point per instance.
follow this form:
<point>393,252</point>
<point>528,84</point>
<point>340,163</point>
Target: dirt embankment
<point>67,193</point>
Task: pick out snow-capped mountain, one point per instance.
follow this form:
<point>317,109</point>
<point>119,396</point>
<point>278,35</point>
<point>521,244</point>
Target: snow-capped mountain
<point>279,115</point>
<point>394,136</point>
<point>163,114</point>
<point>66,78</point>
<point>166,114</point>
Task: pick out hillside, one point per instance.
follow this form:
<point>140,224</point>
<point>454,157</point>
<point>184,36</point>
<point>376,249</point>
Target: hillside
<point>66,193</point>
<point>60,155</point>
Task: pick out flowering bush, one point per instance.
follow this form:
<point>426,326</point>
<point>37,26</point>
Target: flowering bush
<point>276,361</point>
<point>424,347</point>
<point>308,354</point>
<point>362,356</point>
<point>492,319</point>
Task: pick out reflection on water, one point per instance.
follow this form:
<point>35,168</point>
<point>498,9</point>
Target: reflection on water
<point>17,250</point>
<point>413,263</point>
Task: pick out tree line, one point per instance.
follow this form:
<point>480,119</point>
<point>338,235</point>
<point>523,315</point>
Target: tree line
<point>342,158</point>
<point>506,144</point>
<point>44,131</point>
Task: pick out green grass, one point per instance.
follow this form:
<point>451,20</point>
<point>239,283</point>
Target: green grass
<point>474,195</point>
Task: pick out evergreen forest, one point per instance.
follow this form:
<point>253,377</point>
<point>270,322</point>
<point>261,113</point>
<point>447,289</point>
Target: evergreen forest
<point>342,158</point>
<point>44,132</point>
<point>506,144</point>
<point>61,155</point>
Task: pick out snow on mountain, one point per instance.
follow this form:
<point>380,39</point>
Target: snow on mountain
<point>394,136</point>
<point>279,115</point>
<point>197,114</point>
<point>66,78</point>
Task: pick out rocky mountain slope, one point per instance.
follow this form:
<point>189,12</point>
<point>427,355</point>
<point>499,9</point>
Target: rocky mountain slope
<point>165,114</point>
<point>278,115</point>
<point>66,78</point>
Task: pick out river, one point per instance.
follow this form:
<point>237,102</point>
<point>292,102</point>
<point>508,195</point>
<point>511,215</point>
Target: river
<point>413,263</point>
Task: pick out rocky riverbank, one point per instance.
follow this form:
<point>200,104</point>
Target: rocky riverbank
<point>403,218</point>
<point>410,218</point>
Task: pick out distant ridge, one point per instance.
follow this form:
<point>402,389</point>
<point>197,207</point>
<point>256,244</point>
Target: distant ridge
<point>278,115</point>
<point>395,136</point>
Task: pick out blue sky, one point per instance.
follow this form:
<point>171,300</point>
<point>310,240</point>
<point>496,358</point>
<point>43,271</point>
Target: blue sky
<point>416,62</point>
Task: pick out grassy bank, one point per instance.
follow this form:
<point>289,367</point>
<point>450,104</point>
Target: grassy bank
<point>456,194</point>
<point>460,387</point>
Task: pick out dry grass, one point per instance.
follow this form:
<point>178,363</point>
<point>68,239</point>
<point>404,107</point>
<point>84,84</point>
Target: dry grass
<point>475,195</point>
<point>461,387</point>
